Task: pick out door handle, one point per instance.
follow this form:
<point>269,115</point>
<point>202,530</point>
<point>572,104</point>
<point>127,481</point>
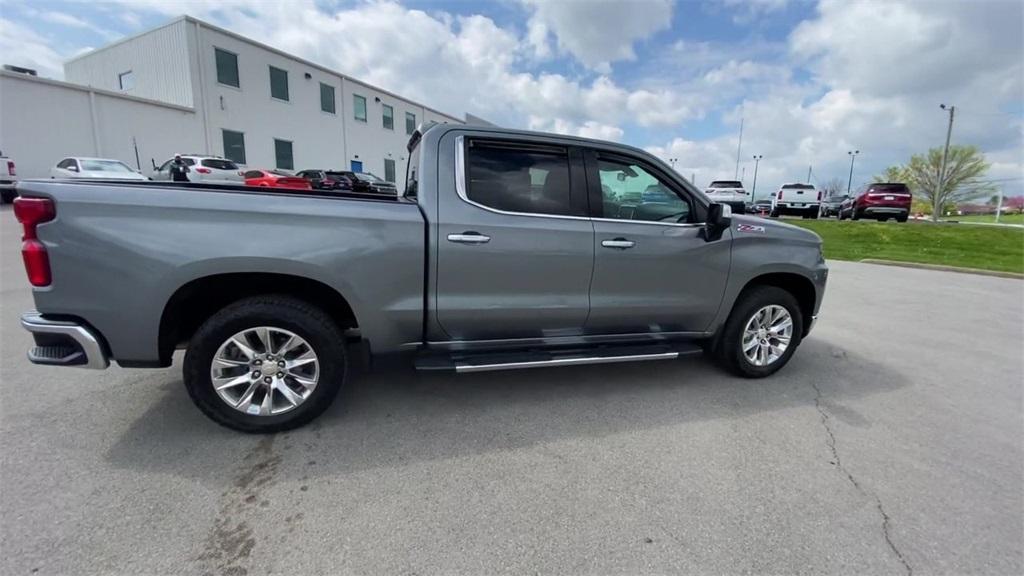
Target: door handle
<point>620,243</point>
<point>469,238</point>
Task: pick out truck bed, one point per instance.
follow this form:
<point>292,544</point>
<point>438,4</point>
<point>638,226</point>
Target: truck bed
<point>119,252</point>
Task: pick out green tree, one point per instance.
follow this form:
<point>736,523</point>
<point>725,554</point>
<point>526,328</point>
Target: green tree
<point>893,174</point>
<point>965,170</point>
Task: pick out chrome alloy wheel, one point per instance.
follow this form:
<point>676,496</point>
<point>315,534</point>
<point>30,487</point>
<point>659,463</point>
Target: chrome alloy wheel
<point>767,335</point>
<point>264,371</point>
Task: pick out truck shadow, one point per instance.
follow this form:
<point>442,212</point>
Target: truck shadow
<point>394,416</point>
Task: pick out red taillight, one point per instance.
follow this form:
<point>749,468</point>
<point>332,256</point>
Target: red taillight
<point>10,168</point>
<point>31,212</point>
<point>779,195</point>
<point>203,170</point>
<point>819,195</point>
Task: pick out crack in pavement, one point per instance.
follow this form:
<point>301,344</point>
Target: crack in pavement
<point>831,441</point>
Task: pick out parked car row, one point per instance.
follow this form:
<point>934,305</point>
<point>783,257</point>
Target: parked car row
<point>879,201</point>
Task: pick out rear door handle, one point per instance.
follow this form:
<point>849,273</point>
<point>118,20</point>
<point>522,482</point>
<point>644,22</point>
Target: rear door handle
<point>620,243</point>
<point>469,238</point>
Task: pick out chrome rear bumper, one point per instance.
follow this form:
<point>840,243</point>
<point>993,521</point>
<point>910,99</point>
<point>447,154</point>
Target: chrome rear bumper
<point>64,343</point>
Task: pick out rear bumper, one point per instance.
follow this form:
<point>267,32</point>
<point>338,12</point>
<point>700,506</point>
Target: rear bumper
<point>64,343</point>
<point>898,210</point>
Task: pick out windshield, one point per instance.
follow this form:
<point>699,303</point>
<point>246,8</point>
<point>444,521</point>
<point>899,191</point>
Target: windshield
<point>797,187</point>
<point>726,184</point>
<point>105,166</point>
<point>369,178</point>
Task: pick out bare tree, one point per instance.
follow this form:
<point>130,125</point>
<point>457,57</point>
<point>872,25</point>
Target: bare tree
<point>832,188</point>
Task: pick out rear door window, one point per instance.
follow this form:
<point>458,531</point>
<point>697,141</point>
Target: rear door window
<point>219,164</point>
<point>524,179</point>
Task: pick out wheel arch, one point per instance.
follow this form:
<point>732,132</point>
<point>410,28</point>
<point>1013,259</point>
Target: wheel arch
<point>800,286</point>
<point>195,301</point>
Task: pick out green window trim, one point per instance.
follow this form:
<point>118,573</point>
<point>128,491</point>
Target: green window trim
<point>359,107</point>
<point>327,103</point>
<point>388,117</point>
<point>227,67</point>
<point>284,157</point>
<point>234,145</point>
<point>279,83</point>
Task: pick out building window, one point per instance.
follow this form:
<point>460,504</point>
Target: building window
<point>359,105</point>
<point>389,169</point>
<point>283,154</point>
<point>278,83</point>
<point>227,67</point>
<point>389,117</point>
<point>126,80</point>
<point>327,98</point>
<point>234,146</point>
<point>410,123</point>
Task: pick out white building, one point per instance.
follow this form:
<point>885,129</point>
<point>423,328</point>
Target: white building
<point>192,87</point>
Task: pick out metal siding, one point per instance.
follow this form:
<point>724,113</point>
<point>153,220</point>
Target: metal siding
<point>158,59</point>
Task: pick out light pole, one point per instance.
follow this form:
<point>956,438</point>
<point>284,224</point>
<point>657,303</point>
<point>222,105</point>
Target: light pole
<point>853,156</point>
<point>937,200</point>
<point>673,161</point>
<point>753,192</point>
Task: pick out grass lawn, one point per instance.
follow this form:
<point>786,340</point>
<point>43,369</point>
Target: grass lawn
<point>1004,219</point>
<point>985,247</point>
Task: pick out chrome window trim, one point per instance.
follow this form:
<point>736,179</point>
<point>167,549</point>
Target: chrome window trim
<point>460,189</point>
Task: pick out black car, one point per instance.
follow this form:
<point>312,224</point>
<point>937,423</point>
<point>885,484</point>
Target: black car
<point>328,179</point>
<point>830,206</point>
<point>366,182</point>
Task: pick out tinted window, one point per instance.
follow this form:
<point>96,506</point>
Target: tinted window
<point>359,107</point>
<point>797,187</point>
<point>278,83</point>
<point>283,154</point>
<point>412,173</point>
<point>254,174</point>
<point>631,192</point>
<point>105,166</point>
<point>410,123</point>
<point>234,146</point>
<point>726,184</point>
<point>389,117</point>
<point>327,98</point>
<point>519,180</point>
<point>227,67</point>
<point>894,188</point>
<point>219,164</point>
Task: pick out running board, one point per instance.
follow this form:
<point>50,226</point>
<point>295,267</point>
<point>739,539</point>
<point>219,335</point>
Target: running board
<point>463,362</point>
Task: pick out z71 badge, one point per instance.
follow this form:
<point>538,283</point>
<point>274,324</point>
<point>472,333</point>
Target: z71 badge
<point>750,228</point>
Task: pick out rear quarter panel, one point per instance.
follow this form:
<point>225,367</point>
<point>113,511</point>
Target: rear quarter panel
<point>119,253</point>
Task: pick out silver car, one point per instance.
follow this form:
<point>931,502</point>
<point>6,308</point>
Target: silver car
<point>100,168</point>
<point>211,169</point>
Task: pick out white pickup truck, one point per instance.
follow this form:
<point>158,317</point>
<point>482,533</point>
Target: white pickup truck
<point>8,179</point>
<point>797,198</point>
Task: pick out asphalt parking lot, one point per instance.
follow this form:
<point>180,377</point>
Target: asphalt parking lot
<point>891,443</point>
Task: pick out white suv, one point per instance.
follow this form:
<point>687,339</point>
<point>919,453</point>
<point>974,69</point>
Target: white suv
<point>203,169</point>
<point>797,198</point>
<point>729,192</point>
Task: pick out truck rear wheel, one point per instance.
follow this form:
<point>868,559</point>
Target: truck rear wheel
<point>265,364</point>
<point>761,334</point>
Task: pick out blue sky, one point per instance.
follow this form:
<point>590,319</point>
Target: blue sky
<point>811,79</point>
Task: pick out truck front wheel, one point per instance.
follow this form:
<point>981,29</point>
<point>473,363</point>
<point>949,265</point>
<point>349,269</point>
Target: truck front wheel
<point>265,364</point>
<point>762,332</point>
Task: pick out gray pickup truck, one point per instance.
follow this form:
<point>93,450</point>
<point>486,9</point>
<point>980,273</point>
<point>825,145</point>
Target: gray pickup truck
<point>505,249</point>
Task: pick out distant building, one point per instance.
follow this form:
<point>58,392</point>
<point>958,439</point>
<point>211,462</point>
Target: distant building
<point>191,87</point>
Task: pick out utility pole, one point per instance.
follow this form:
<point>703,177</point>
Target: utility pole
<point>809,173</point>
<point>753,192</point>
<point>738,148</point>
<point>693,178</point>
<point>849,183</point>
<point>999,205</point>
<point>937,200</point>
<point>743,175</point>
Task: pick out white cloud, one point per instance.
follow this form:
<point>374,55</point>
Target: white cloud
<point>598,32</point>
<point>21,46</point>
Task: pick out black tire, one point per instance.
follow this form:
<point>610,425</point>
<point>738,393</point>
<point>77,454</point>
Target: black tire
<point>774,214</point>
<point>728,346</point>
<point>854,214</point>
<point>901,218</point>
<point>7,196</point>
<point>813,214</point>
<point>841,216</point>
<point>297,316</point>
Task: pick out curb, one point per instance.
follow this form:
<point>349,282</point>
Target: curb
<point>944,268</point>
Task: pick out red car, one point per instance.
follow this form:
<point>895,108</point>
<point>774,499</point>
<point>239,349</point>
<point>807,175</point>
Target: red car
<point>276,179</point>
<point>881,201</point>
